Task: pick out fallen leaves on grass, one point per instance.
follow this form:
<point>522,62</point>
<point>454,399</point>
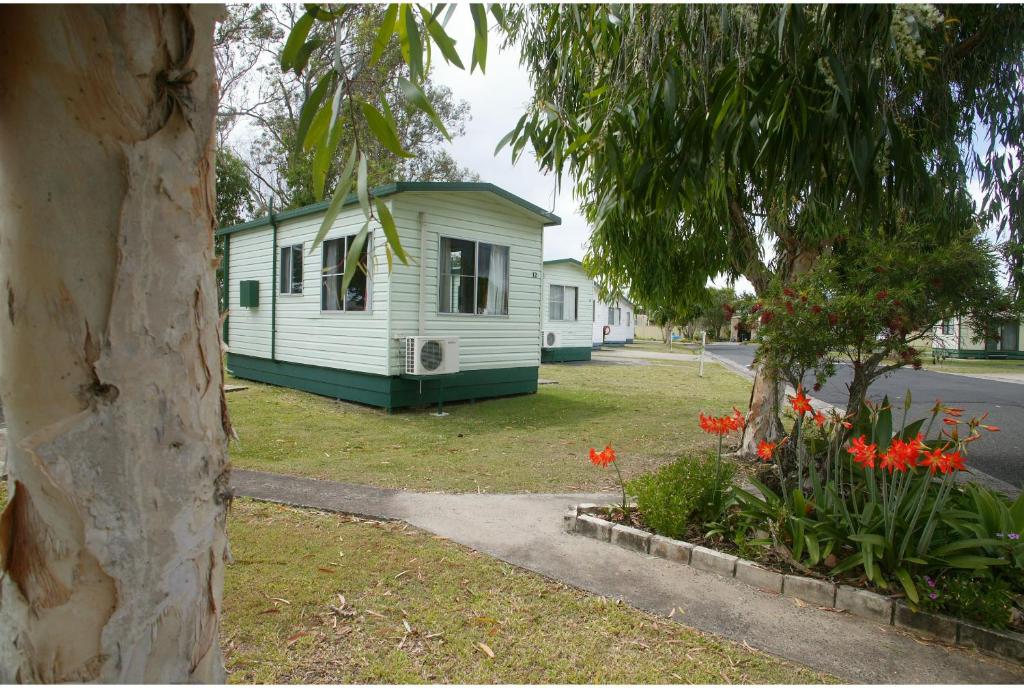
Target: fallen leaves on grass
<point>486,650</point>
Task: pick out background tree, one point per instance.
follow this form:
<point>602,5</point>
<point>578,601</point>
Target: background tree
<point>709,139</point>
<point>876,301</point>
<point>260,115</point>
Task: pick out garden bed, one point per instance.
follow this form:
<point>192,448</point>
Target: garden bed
<point>594,521</point>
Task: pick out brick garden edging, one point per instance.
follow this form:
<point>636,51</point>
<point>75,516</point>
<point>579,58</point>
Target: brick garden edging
<point>582,520</point>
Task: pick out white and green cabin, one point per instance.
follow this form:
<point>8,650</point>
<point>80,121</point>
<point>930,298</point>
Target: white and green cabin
<point>957,339</point>
<point>461,321</point>
<point>568,312</point>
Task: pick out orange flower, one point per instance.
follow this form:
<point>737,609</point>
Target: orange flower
<point>990,428</point>
<point>902,455</point>
<point>953,411</point>
<point>801,404</point>
<point>955,462</point>
<point>603,457</point>
<point>863,453</point>
<point>722,425</point>
<point>819,418</point>
<point>766,450</point>
<point>951,421</point>
<point>933,460</point>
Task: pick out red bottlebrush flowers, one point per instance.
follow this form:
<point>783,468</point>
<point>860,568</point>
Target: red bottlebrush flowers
<point>602,458</point>
<point>863,453</point>
<point>789,292</point>
<point>881,295</point>
<point>789,307</point>
<point>801,404</point>
<point>815,309</point>
<point>766,317</point>
<point>722,425</point>
<point>833,319</point>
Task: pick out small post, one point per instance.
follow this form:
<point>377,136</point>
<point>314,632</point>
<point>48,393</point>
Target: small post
<point>703,343</point>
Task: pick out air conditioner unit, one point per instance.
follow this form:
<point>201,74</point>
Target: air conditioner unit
<point>431,355</point>
<point>552,339</point>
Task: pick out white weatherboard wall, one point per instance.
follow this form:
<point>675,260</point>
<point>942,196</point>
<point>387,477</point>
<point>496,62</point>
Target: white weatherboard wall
<point>620,333</point>
<point>355,341</point>
<point>485,341</point>
<point>574,333</point>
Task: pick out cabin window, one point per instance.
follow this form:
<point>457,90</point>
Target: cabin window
<point>291,269</point>
<point>629,315</point>
<point>614,316</point>
<point>474,277</point>
<point>562,302</point>
<point>356,297</point>
<point>947,327</point>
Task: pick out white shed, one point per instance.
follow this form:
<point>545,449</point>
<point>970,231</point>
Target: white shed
<point>617,316</point>
<point>568,312</point>
<point>461,321</point>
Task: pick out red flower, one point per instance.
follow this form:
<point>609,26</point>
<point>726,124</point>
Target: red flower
<point>603,457</point>
<point>755,308</point>
<point>902,455</point>
<point>766,317</point>
<point>817,386</point>
<point>863,453</point>
<point>954,462</point>
<point>801,404</point>
<point>815,309</point>
<point>990,428</point>
<point>789,292</point>
<point>789,308</point>
<point>933,460</point>
<point>953,411</point>
<point>766,450</point>
<point>722,425</point>
<point>881,295</point>
<point>951,421</point>
<point>833,319</point>
<point>819,418</point>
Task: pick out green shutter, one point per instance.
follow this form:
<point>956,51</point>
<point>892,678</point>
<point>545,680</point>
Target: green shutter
<point>249,293</point>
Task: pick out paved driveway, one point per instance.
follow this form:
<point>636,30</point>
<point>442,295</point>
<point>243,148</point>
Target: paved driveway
<point>1000,454</point>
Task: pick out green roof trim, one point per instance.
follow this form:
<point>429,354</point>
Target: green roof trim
<point>559,261</point>
<point>549,219</point>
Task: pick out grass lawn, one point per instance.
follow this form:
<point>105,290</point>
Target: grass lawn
<point>678,347</point>
<point>535,443</point>
<point>420,609</point>
<point>967,365</point>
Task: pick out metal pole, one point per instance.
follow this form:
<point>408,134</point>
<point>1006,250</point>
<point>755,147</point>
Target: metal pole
<point>703,343</point>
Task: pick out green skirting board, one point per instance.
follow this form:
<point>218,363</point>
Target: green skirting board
<point>385,391</point>
<point>565,354</point>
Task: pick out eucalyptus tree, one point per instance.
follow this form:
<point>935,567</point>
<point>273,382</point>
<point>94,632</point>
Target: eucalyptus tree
<point>269,101</point>
<point>112,543</point>
<point>745,139</point>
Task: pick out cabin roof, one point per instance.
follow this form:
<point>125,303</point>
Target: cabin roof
<point>549,219</point>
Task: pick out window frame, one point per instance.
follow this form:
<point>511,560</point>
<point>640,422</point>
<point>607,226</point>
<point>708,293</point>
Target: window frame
<point>576,303</point>
<point>945,325</point>
<point>369,275</point>
<point>291,249</point>
<point>476,278</point>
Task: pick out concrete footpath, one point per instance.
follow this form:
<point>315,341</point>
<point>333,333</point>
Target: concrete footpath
<point>525,530</point>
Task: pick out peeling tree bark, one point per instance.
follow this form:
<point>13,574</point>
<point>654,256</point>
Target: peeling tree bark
<point>768,392</point>
<point>112,545</point>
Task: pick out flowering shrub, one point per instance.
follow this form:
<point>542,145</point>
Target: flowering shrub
<point>881,505</point>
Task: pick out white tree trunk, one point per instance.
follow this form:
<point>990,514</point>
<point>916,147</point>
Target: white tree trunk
<point>112,545</point>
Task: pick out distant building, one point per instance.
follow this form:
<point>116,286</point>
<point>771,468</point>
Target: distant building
<point>614,324</point>
<point>567,307</point>
<point>957,338</point>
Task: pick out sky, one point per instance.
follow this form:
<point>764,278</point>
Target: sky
<point>498,98</point>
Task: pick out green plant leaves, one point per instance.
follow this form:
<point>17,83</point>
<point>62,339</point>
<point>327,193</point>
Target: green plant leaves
<point>310,109</point>
<point>418,99</point>
<point>355,250</point>
<point>480,37</point>
<point>383,129</point>
<point>908,584</point>
<point>384,33</point>
<point>341,191</point>
<point>295,40</point>
<point>390,231</point>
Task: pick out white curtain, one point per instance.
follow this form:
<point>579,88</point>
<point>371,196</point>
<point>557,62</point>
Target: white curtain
<point>497,281</point>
